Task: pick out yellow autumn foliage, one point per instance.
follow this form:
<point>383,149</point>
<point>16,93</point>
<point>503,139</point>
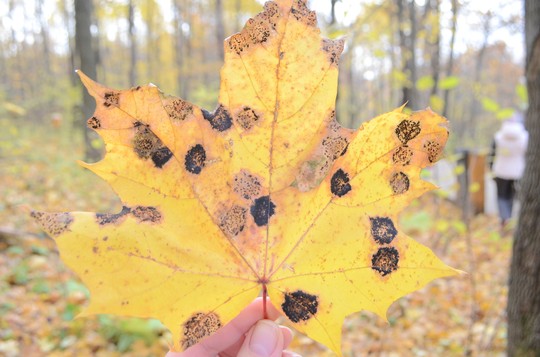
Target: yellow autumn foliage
<point>268,193</point>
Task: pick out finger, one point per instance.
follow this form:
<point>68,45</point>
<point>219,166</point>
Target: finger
<point>287,336</point>
<point>233,350</point>
<point>265,339</point>
<point>229,334</point>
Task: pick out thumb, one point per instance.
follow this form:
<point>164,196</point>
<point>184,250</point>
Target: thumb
<point>264,339</point>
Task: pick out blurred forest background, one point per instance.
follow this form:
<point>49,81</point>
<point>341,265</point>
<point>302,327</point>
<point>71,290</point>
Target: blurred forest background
<point>463,58</point>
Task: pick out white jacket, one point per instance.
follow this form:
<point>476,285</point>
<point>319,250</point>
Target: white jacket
<point>511,145</point>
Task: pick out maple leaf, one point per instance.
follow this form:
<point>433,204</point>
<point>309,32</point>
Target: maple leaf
<point>268,194</point>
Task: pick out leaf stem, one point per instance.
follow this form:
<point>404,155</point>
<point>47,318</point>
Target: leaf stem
<point>264,295</point>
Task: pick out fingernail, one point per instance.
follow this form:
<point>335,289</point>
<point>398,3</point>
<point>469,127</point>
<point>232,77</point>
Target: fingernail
<point>264,338</point>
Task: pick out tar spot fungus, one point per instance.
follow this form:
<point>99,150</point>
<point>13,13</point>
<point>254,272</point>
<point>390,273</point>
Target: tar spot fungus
<point>433,149</point>
<point>262,209</point>
<point>111,98</point>
<point>238,43</point>
<point>146,214</point>
<point>220,119</point>
<point>334,147</point>
<point>339,184</point>
<point>258,29</point>
<point>161,156</point>
<point>147,145</point>
<point>112,218</point>
<point>382,229</point>
<point>246,185</point>
<point>300,306</point>
<point>178,109</point>
<point>385,260</point>
<point>233,221</point>
<point>271,13</point>
<point>198,327</point>
<point>195,159</point>
<point>247,118</point>
<point>399,182</point>
<point>402,155</point>
<point>407,130</point>
<point>93,123</point>
<point>145,142</point>
<point>332,122</point>
<point>53,223</point>
<point>301,13</point>
<point>333,49</point>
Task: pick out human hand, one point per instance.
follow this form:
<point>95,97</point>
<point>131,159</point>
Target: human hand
<point>247,335</point>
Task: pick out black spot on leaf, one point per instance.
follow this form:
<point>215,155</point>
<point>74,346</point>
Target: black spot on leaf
<point>339,184</point>
<point>112,218</point>
<point>385,260</point>
<point>147,145</point>
<point>161,156</point>
<point>399,182</point>
<point>262,209</point>
<point>198,327</point>
<point>246,185</point>
<point>146,214</point>
<point>195,159</point>
<point>271,12</point>
<point>258,29</point>
<point>53,223</point>
<point>333,49</point>
<point>433,149</point>
<point>383,230</point>
<point>220,119</point>
<point>233,221</point>
<point>334,147</point>
<point>238,42</point>
<point>111,99</point>
<point>178,109</point>
<point>93,123</point>
<point>300,306</point>
<point>402,155</point>
<point>300,12</point>
<point>407,130</point>
<point>247,118</point>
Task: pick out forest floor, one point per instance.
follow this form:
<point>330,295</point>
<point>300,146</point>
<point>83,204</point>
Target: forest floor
<point>39,297</point>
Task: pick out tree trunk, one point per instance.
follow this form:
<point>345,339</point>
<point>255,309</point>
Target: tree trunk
<point>179,49</point>
<point>19,87</point>
<point>68,18</point>
<point>132,45</point>
<point>189,53</point>
<point>333,12</point>
<point>407,44</point>
<point>469,126</point>
<point>151,44</point>
<point>524,284</point>
<point>87,56</point>
<point>220,29</point>
<point>44,32</point>
<point>434,42</point>
<point>450,64</point>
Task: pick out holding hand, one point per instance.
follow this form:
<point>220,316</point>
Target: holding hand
<point>247,335</point>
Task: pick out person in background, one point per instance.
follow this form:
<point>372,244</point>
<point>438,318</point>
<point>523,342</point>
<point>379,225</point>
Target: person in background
<point>509,147</point>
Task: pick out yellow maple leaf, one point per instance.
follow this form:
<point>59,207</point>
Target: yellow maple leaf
<point>266,194</point>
